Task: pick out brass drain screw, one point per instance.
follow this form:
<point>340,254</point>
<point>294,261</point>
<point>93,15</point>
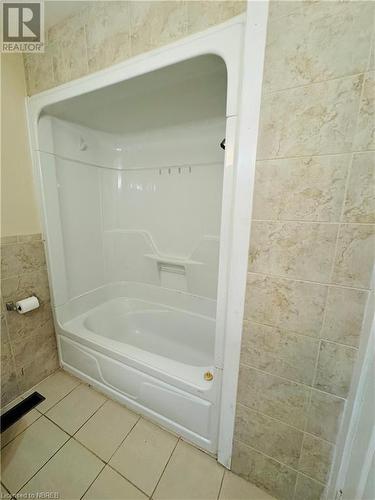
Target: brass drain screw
<point>208,376</point>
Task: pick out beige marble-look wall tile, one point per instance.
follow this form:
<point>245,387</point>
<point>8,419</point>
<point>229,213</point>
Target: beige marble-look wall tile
<point>315,458</point>
<point>372,55</point>
<point>360,200</point>
<point>67,42</point>
<point>324,415</point>
<point>291,305</point>
<point>9,383</point>
<point>25,238</point>
<point>8,240</point>
<point>310,188</point>
<point>355,255</point>
<point>24,285</point>
<point>39,71</point>
<point>21,326</point>
<point>22,258</point>
<point>308,489</point>
<point>31,336</point>
<point>277,479</point>
<point>334,369</point>
<point>156,23</point>
<point>317,119</point>
<point>40,341</point>
<point>276,397</point>
<point>41,367</point>
<point>279,352</point>
<point>317,42</point>
<point>344,315</point>
<point>290,249</point>
<point>365,133</point>
<point>280,9</point>
<point>108,33</point>
<point>269,436</point>
<point>203,14</point>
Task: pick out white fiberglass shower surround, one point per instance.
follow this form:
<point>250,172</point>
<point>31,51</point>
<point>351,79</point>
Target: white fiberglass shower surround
<point>137,199</point>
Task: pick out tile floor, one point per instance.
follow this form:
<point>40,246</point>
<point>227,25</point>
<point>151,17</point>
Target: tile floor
<point>80,444</point>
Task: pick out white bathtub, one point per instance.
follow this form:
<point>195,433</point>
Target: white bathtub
<point>152,357</point>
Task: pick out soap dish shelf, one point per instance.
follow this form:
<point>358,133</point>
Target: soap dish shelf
<point>172,265</point>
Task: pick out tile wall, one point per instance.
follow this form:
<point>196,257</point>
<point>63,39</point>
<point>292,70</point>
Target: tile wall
<point>28,344</point>
<point>105,33</point>
<point>312,244</point>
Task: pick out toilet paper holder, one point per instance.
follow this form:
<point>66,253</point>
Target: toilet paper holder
<point>12,306</point>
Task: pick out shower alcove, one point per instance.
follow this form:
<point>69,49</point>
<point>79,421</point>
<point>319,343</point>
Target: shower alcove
<point>137,194</point>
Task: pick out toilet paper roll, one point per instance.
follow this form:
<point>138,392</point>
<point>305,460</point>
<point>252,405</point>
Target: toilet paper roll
<point>26,305</point>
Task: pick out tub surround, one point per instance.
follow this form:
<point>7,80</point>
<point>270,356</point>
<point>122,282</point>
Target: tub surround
<point>28,343</point>
<point>132,209</point>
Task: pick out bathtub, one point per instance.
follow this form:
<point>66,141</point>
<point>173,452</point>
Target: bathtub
<point>149,348</point>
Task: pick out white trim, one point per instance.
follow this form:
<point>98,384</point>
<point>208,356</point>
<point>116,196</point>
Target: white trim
<point>247,139</point>
<point>224,40</point>
<point>352,414</point>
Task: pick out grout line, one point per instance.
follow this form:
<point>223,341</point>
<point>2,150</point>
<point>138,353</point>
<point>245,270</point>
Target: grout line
<point>67,432</point>
<point>84,26</point>
<point>23,430</point>
<point>272,458</point>
<point>270,417</point>
<point>123,440</point>
<point>50,458</point>
<point>298,466</point>
<point>57,402</point>
<point>5,488</point>
<point>283,331</point>
<point>320,222</point>
<point>121,443</point>
<point>297,157</point>
<point>240,403</point>
<point>301,384</point>
<point>283,423</point>
<point>319,82</point>
<point>281,463</point>
<point>21,275</point>
<point>93,481</point>
<point>13,357</point>
<point>166,465</point>
<point>42,267</point>
<point>126,479</point>
<point>95,412</point>
<point>88,449</point>
<point>310,282</point>
<point>221,484</point>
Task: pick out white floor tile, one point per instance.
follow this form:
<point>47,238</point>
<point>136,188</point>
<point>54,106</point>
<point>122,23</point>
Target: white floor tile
<point>190,475</point>
<point>111,486</point>
<point>69,473</point>
<point>19,426</point>
<point>106,429</point>
<point>4,493</point>
<point>54,388</point>
<point>236,488</point>
<point>29,451</point>
<point>76,408</point>
<point>143,455</point>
